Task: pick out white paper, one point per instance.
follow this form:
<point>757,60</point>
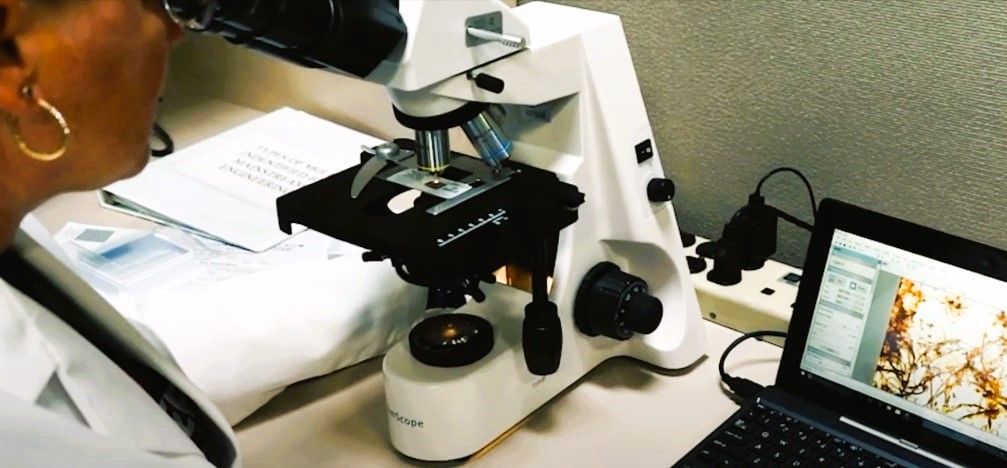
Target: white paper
<point>227,185</point>
<point>257,169</point>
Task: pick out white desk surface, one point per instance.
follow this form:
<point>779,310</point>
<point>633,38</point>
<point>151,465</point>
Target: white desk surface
<point>621,414</point>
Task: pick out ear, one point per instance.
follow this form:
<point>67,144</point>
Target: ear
<point>14,72</point>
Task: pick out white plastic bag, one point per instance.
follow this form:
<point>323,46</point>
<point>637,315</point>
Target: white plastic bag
<point>244,340</point>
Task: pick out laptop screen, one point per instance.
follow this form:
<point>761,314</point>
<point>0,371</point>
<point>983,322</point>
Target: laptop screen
<point>919,335</point>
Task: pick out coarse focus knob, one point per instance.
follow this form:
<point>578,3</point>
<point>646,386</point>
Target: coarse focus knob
<point>616,304</point>
<point>660,190</point>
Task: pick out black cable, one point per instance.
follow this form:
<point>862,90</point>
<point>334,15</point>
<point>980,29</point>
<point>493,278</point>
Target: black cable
<point>807,184</point>
<point>743,387</point>
<point>168,144</point>
<point>792,219</point>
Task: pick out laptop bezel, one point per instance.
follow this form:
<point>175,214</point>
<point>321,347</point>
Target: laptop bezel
<point>931,243</point>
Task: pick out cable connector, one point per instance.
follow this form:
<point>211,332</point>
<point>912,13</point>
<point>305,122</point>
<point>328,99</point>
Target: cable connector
<point>743,387</point>
<point>750,237</point>
<point>755,225</point>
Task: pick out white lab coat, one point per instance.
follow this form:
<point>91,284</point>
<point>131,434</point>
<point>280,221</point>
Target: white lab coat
<point>131,433</point>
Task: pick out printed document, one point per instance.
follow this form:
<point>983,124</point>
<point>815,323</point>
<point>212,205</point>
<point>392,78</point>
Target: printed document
<point>225,187</point>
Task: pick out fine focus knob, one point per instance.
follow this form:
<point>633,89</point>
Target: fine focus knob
<point>643,313</point>
<point>660,190</point>
<point>451,340</point>
<point>616,304</point>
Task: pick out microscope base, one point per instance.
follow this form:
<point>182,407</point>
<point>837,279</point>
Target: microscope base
<point>440,414</point>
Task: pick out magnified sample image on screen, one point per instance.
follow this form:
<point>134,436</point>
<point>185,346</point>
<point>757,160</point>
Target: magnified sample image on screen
<point>947,353</point>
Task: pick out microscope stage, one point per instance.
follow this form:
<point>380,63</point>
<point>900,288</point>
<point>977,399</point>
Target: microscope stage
<point>476,236</point>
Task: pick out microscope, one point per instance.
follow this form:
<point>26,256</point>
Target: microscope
<point>551,250</point>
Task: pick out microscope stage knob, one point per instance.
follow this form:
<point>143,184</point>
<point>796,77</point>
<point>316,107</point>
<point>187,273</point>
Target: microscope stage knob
<point>542,338</point>
<point>616,304</point>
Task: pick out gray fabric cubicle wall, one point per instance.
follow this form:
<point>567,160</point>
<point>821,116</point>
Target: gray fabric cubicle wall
<point>899,106</point>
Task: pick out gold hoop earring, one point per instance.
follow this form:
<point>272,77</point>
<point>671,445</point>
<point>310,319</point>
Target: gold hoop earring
<point>12,121</point>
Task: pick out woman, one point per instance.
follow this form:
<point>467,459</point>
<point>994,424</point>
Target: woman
<point>79,81</point>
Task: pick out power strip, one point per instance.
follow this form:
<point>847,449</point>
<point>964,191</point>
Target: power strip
<point>763,300</point>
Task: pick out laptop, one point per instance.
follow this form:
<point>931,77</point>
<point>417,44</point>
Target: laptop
<point>896,355</point>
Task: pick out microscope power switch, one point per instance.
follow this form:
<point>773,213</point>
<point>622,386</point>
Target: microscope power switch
<point>615,304</point>
<point>644,151</point>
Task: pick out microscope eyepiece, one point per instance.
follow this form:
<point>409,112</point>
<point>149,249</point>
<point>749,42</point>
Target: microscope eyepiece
<point>351,36</point>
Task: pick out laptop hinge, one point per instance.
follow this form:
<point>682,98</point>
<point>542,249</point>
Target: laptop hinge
<point>910,446</point>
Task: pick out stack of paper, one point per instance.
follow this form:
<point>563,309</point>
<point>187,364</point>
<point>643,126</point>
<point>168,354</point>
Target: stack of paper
<point>245,323</point>
<point>226,187</point>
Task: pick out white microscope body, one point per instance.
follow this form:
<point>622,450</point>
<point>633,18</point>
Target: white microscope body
<point>583,199</point>
<point>573,107</point>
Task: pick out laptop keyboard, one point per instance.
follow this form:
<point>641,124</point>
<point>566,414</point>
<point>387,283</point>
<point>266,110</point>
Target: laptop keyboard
<point>765,437</point>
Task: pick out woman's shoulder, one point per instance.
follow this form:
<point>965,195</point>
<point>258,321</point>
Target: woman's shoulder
<point>26,363</point>
<point>15,305</point>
